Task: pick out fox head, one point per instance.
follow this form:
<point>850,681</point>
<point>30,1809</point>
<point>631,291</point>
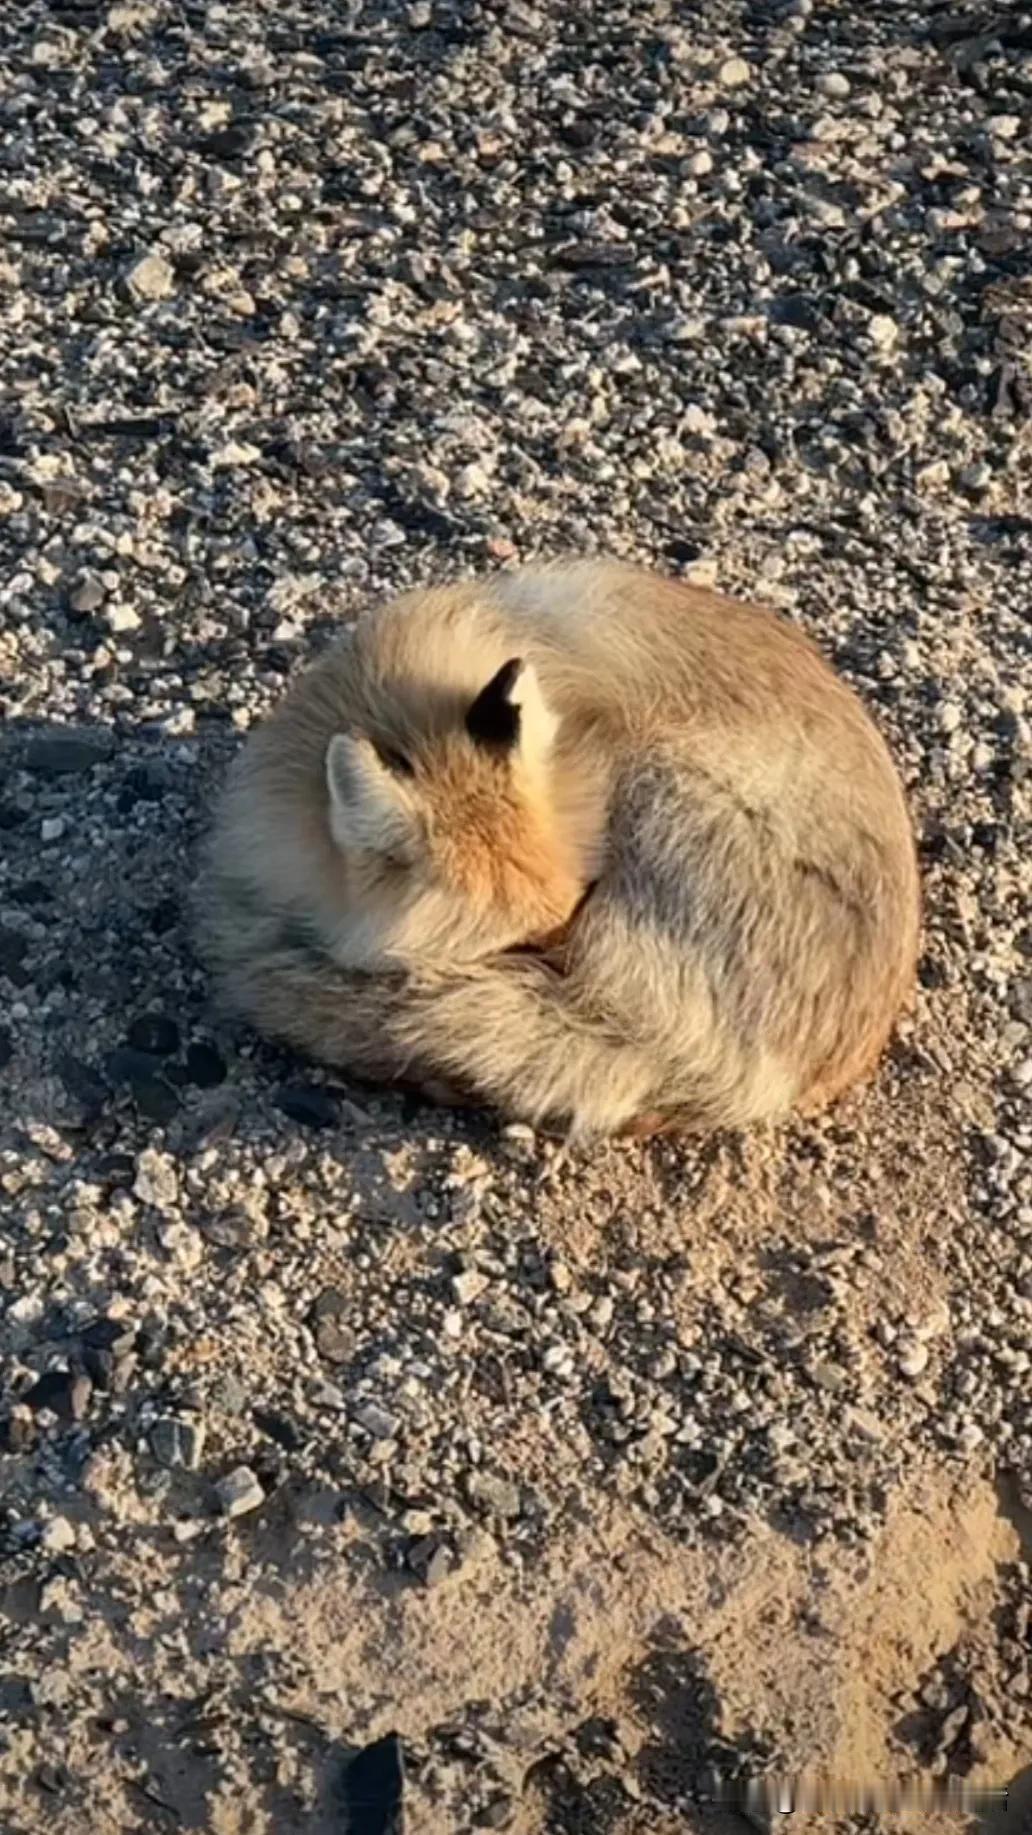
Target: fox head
<point>445,827</point>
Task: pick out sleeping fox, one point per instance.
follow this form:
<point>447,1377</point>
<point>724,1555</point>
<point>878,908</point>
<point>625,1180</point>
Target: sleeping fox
<point>597,848</point>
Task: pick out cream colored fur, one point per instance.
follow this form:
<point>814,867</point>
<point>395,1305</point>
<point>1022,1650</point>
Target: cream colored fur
<point>752,924</point>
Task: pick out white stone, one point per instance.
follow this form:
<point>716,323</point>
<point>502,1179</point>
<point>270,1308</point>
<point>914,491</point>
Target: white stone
<point>151,278</point>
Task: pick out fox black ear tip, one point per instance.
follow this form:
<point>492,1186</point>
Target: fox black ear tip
<point>508,676</point>
<point>494,717</point>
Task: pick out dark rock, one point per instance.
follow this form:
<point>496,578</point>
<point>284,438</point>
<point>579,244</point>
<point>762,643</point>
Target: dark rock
<point>431,1558</point>
<point>796,310</point>
<point>33,892</point>
<point>12,955</point>
<point>496,1813</point>
<point>334,1340</point>
<point>6,1047</point>
<point>231,142</point>
<point>373,1789</point>
<point>280,1428</point>
<point>62,1393</point>
<point>115,1335</point>
<point>84,1083</point>
<point>164,916</point>
<point>233,1229</point>
<point>313,1108</point>
<point>155,1033</point>
<point>177,1442</point>
<point>67,749</point>
<point>86,596</point>
<point>51,1778</point>
<point>205,1067</point>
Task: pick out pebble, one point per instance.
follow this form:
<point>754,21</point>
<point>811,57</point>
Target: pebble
<point>178,1442</point>
<point>157,1179</point>
<point>431,1558</point>
<point>733,72</point>
<point>376,1420</point>
<point>833,84</point>
<point>912,1358</point>
<point>498,1496</point>
<point>239,1492</point>
<point>74,749</point>
<point>313,1108</point>
<point>882,331</point>
<point>151,278</point>
<point>87,595</point>
<point>58,1536</point>
<point>469,1286</point>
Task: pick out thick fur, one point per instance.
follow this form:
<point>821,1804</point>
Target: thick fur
<point>687,762</point>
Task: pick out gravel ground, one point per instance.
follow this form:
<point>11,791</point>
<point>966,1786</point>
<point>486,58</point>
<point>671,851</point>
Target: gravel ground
<point>325,1417</point>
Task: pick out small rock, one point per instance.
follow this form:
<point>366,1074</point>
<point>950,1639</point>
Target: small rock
<point>376,1420</point>
<point>833,84</point>
<point>882,330</point>
<point>239,1492</point>
<point>175,1442</point>
<point>87,595</point>
<point>154,1033</point>
<point>313,1108</point>
<point>230,1395</point>
<point>950,717</point>
<point>866,1424</point>
<point>58,1536</point>
<point>733,72</point>
<point>495,1495</point>
<point>51,828</point>
<point>700,163</point>
<point>151,278</point>
<point>121,618</point>
<point>157,1181</point>
<point>913,1357</point>
<point>117,1335</point>
<point>469,1285</point>
<point>431,1558</point>
<point>497,1812</point>
<point>69,749</point>
<point>334,1340</point>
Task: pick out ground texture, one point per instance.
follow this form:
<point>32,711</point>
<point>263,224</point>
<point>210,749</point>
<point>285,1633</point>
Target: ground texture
<point>606,1481</point>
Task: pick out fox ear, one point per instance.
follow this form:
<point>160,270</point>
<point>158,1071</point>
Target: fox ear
<point>371,808</point>
<point>511,715</point>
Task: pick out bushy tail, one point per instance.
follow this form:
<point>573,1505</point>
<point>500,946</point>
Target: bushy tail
<point>504,1030</point>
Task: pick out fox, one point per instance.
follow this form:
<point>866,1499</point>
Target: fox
<point>602,850</point>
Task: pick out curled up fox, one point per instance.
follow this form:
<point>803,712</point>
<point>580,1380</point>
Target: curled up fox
<point>594,847</point>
